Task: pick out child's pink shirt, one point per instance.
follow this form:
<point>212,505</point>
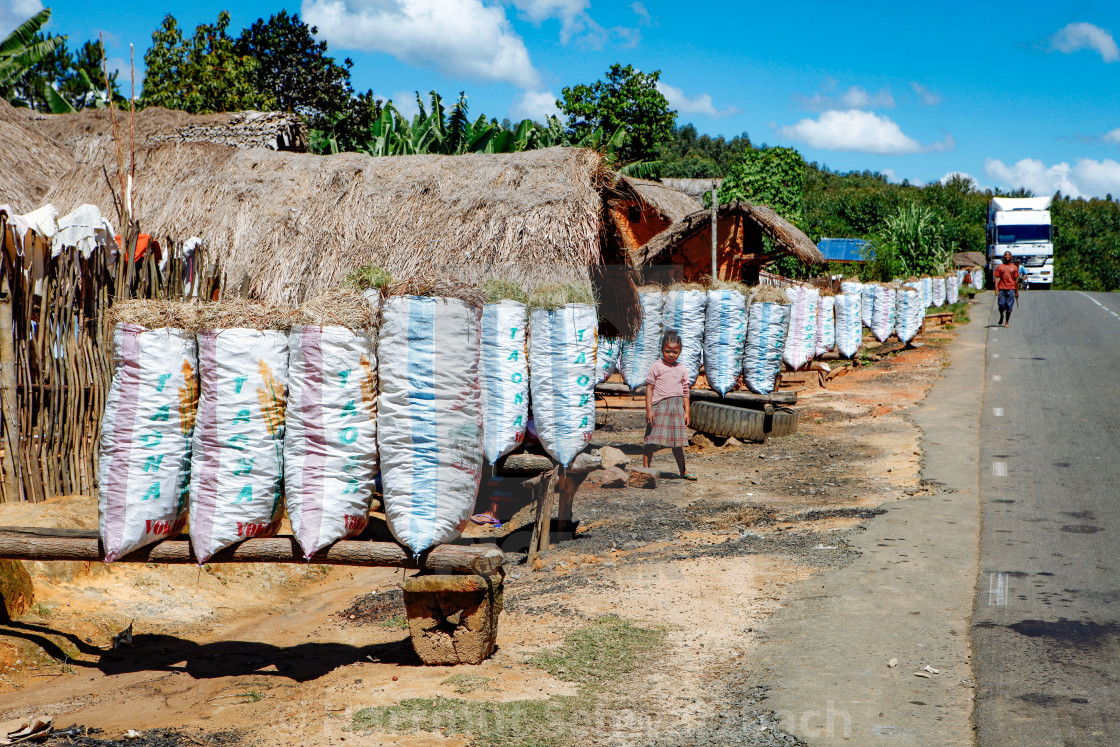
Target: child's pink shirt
<point>667,380</point>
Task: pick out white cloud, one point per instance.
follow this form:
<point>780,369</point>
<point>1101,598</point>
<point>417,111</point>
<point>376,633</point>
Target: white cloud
<point>461,38</point>
<point>859,131</point>
<point>644,18</point>
<point>1112,137</point>
<point>1087,178</point>
<point>891,175</point>
<point>1078,36</point>
<point>535,105</point>
<point>853,98</point>
<point>15,12</point>
<point>572,14</point>
<point>928,96</point>
<point>699,104</point>
<point>576,23</point>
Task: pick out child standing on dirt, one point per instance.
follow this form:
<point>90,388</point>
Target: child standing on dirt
<point>668,411</point>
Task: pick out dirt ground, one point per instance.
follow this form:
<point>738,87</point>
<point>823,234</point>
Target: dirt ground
<point>640,629</point>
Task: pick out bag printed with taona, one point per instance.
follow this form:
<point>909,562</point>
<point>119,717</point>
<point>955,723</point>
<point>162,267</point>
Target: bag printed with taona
<point>146,431</point>
<point>238,450</point>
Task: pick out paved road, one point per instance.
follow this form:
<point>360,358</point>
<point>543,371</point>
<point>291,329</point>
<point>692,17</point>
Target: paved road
<point>1046,635</point>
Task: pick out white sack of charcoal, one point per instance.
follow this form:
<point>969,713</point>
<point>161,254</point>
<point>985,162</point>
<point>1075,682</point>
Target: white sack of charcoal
<point>429,424</point>
<point>145,448</point>
<point>237,463</point>
<point>330,428</point>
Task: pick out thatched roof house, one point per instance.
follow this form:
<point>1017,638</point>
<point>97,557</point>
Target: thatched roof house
<point>88,134</point>
<point>29,162</point>
<point>297,224</point>
<point>684,251</point>
<point>638,210</point>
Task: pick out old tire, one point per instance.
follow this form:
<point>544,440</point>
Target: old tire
<point>784,421</point>
<point>729,421</point>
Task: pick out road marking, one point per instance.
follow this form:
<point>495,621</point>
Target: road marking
<point>997,411</point>
<point>999,469</point>
<point>1098,303</point>
<point>996,377</point>
<point>995,355</point>
<point>997,589</point>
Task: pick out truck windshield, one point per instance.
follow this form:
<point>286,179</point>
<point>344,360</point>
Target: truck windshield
<point>1016,234</point>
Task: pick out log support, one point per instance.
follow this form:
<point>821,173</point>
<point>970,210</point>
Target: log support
<point>453,619</point>
<point>452,610</point>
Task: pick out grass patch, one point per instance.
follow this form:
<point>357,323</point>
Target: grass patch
<point>600,657</point>
<point>601,654</point>
<point>466,683</point>
<point>369,276</point>
<point>399,622</point>
<point>960,312</point>
<point>552,297</point>
<point>500,289</point>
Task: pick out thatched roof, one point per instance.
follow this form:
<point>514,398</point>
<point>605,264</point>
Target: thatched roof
<point>786,236</point>
<point>672,204</point>
<point>29,162</point>
<point>969,259</point>
<point>298,223</point>
<point>89,133</point>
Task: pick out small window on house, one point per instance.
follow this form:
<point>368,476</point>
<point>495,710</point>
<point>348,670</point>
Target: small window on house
<point>634,214</point>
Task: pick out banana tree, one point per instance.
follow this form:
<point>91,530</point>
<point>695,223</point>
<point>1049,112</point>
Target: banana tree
<point>21,49</point>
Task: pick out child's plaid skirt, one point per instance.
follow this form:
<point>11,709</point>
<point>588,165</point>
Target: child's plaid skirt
<point>668,427</point>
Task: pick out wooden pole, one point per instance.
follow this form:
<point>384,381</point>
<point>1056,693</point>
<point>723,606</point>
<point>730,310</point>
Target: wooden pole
<point>715,227</point>
<point>17,543</point>
<point>9,418</point>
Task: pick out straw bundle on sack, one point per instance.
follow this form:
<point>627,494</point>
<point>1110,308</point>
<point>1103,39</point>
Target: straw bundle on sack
<point>768,294</point>
<point>240,313</point>
<point>428,287</point>
<point>340,308</point>
<point>502,289</point>
<point>553,297</point>
<point>154,314</point>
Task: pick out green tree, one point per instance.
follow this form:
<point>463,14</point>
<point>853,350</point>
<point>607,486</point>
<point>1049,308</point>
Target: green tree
<point>294,68</point>
<point>627,99</point>
<point>768,176</point>
<point>203,74</point>
<point>690,155</point>
<point>912,241</point>
<point>62,81</point>
<point>20,51</point>
<point>1086,244</point>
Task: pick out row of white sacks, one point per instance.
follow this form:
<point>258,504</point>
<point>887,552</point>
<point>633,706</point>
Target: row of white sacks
<point>232,426</point>
<point>735,336</point>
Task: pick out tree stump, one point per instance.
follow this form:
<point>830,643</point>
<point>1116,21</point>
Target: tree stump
<point>453,619</point>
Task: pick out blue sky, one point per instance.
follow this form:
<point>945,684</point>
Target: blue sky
<point>1012,94</point>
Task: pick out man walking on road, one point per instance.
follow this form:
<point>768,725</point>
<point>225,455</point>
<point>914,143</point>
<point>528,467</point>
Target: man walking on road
<point>1007,287</point>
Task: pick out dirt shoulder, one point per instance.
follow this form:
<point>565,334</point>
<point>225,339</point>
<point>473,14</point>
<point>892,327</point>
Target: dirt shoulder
<point>645,627</point>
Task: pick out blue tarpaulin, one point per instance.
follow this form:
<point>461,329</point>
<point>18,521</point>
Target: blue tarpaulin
<point>845,250</point>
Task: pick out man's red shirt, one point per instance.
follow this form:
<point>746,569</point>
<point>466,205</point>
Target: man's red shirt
<point>1007,277</point>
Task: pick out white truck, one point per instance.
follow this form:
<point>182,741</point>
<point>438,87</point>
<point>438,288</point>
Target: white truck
<point>1021,225</point>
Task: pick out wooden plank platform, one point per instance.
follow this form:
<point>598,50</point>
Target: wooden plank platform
<point>28,543</point>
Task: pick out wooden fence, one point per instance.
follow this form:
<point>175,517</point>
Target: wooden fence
<point>56,350</point>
